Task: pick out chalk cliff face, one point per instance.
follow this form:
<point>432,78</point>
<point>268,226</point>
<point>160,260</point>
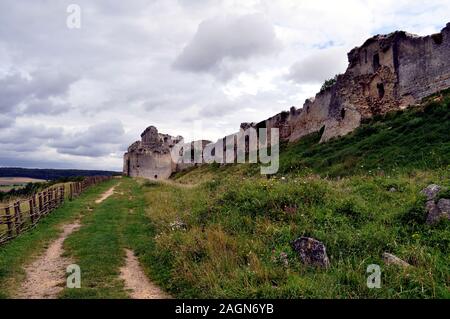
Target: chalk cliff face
<point>387,73</point>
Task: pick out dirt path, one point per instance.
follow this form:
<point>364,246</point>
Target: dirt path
<point>46,275</point>
<point>106,194</point>
<point>137,282</point>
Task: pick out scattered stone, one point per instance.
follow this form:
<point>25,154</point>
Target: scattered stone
<point>178,225</point>
<point>284,259</point>
<point>392,190</point>
<point>436,210</point>
<point>290,210</point>
<point>444,205</point>
<point>431,191</point>
<point>390,259</point>
<point>311,252</point>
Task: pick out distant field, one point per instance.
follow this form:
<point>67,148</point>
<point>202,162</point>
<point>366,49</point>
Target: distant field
<point>19,180</point>
<point>8,183</point>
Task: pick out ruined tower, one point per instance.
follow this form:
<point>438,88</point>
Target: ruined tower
<point>150,158</point>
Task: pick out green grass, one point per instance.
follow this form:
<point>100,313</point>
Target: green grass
<point>119,222</point>
<point>17,253</point>
<point>417,138</point>
<point>226,231</point>
<point>239,225</point>
<point>238,229</point>
<point>97,249</point>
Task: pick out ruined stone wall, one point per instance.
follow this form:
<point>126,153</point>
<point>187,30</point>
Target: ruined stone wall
<point>149,165</point>
<point>150,158</point>
<point>387,73</point>
<point>424,64</point>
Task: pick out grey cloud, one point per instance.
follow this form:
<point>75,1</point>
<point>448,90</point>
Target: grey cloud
<point>6,121</point>
<point>20,94</point>
<point>233,38</point>
<point>128,57</point>
<point>27,139</point>
<point>99,140</point>
<point>47,107</point>
<point>18,159</point>
<point>318,67</point>
<point>20,134</point>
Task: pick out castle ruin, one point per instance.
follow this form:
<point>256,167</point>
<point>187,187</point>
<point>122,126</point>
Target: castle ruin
<point>387,73</point>
<point>151,157</point>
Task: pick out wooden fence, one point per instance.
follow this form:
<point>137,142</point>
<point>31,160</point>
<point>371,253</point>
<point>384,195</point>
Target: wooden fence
<point>24,214</point>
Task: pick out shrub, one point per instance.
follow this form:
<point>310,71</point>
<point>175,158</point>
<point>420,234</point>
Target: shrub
<point>328,84</point>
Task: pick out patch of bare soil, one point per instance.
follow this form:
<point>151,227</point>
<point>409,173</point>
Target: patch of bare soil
<point>106,194</point>
<point>46,276</point>
<point>136,282</point>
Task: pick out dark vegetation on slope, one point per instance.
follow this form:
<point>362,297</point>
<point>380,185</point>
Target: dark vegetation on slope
<point>417,138</point>
<point>51,174</point>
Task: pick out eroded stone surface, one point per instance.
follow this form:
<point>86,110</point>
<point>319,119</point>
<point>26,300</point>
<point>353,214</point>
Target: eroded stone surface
<point>431,191</point>
<point>151,157</point>
<point>390,259</point>
<point>436,209</point>
<point>311,252</point>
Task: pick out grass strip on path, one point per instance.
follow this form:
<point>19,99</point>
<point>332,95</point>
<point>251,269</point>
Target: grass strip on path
<point>17,253</point>
<point>99,246</point>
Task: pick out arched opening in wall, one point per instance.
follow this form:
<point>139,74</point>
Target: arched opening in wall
<point>343,114</point>
<point>381,92</point>
<point>376,61</point>
<point>128,167</point>
<point>156,176</point>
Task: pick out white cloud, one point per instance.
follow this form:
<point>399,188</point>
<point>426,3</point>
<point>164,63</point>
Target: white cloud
<point>76,98</point>
<point>321,66</point>
<point>222,40</point>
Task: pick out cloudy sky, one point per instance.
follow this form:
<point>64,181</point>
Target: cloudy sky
<point>76,98</point>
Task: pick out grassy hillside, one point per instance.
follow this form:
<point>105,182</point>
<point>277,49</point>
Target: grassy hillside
<point>417,138</point>
<point>228,231</point>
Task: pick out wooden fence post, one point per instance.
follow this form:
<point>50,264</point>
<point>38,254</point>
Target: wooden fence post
<point>35,209</point>
<point>62,191</point>
<point>30,202</point>
<point>45,201</point>
<point>17,218</point>
<point>70,191</point>
<point>42,204</point>
<point>52,192</point>
<point>9,222</point>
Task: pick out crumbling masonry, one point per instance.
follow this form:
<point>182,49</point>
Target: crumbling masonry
<point>387,73</point>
